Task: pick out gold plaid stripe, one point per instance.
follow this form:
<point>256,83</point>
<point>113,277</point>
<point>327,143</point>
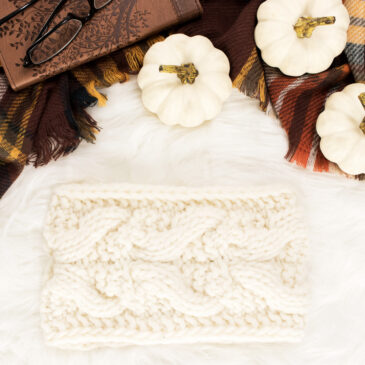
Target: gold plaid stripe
<point>14,151</point>
<point>356,34</point>
<point>238,81</point>
<point>356,8</point>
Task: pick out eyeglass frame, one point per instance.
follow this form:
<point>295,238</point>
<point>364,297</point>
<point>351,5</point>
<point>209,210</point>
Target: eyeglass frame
<point>42,36</point>
<point>17,11</point>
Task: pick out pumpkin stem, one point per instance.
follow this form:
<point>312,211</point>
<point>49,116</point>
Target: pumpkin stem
<point>187,72</point>
<point>362,101</point>
<point>305,26</point>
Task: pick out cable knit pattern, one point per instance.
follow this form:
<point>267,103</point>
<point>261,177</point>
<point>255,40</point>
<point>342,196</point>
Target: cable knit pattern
<point>147,265</point>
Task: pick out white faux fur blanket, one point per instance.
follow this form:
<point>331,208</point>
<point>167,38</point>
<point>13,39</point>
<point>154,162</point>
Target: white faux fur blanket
<point>240,147</point>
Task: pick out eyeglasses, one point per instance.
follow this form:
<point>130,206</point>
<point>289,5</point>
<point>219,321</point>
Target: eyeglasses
<point>49,43</point>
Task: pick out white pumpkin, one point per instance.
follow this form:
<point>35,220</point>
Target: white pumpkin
<point>185,80</point>
<point>341,127</point>
<point>301,36</point>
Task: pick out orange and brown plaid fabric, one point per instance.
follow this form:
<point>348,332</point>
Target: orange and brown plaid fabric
<point>299,100</point>
<point>48,120</point>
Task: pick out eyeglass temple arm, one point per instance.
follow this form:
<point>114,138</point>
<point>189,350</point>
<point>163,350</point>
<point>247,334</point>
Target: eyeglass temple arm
<point>17,11</point>
<point>49,20</point>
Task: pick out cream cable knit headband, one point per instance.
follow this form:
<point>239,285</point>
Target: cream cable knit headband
<point>147,265</point>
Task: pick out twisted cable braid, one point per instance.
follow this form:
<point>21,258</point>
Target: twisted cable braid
<point>146,265</point>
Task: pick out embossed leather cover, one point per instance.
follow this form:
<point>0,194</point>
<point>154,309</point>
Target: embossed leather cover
<point>119,24</point>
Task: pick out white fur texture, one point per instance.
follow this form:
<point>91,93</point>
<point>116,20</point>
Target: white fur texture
<point>242,146</point>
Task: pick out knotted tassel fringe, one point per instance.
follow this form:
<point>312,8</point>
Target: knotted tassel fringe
<point>135,54</point>
<point>91,83</point>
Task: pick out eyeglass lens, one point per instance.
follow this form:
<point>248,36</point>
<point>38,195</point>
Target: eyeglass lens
<point>64,35</point>
<point>100,3</point>
<point>55,42</point>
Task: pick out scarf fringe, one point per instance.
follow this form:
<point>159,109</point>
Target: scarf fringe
<point>54,138</point>
<point>253,88</point>
<point>82,99</point>
<point>87,126</point>
<point>111,76</point>
<point>135,54</point>
<point>91,89</point>
<point>151,41</point>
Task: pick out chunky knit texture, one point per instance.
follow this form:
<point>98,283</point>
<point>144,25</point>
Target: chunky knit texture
<point>147,265</point>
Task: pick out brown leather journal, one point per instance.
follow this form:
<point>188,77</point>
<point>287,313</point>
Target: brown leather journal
<point>119,24</point>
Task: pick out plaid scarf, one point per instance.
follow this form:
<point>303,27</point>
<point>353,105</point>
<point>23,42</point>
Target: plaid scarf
<point>298,101</point>
<point>49,120</point>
